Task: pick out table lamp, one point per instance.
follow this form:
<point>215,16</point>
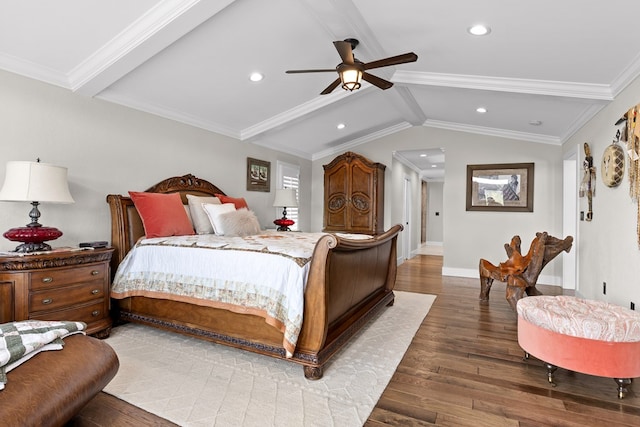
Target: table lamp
<point>285,197</point>
<point>34,182</point>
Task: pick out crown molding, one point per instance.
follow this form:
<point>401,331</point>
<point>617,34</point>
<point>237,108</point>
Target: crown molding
<point>287,150</point>
<point>502,133</point>
<point>297,112</point>
<point>498,84</point>
<point>629,74</point>
<point>582,120</point>
<point>409,106</point>
<point>33,71</point>
<point>170,114</point>
<point>402,159</point>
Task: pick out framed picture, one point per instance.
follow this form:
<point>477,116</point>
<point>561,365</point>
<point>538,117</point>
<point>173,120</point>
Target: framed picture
<point>258,175</point>
<point>500,187</point>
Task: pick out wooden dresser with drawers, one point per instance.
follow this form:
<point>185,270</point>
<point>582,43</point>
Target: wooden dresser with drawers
<point>58,285</point>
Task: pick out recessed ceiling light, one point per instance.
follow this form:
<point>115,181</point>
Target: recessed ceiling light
<point>256,77</point>
<point>535,122</point>
<point>481,110</point>
<point>423,155</point>
<point>479,30</point>
<point>341,126</point>
<point>434,166</point>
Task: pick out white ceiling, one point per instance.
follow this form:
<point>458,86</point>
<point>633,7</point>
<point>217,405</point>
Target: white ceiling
<point>557,62</point>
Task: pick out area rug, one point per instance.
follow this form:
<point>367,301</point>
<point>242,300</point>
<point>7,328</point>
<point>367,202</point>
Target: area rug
<point>197,383</point>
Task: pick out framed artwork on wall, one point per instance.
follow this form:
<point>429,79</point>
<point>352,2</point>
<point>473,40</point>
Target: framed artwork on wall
<point>506,187</point>
<point>258,175</point>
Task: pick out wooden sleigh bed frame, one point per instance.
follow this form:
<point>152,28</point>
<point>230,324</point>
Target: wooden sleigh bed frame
<point>349,282</point>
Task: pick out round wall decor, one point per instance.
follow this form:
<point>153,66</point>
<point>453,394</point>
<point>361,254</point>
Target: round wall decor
<point>612,165</point>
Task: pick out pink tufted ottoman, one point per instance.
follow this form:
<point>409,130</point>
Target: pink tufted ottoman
<point>586,336</point>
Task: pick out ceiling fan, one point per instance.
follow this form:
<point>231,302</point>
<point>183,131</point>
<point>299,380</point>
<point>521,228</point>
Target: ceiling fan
<point>351,71</point>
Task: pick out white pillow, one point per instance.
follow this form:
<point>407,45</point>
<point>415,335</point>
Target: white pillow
<point>241,222</point>
<point>214,212</point>
<point>199,217</point>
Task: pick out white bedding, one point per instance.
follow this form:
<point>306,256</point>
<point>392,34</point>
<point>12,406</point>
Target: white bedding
<point>264,274</point>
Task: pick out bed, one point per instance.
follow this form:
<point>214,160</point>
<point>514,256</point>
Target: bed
<point>349,281</point>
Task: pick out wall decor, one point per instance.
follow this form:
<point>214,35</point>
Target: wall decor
<point>588,183</point>
<point>612,167</point>
<point>504,187</point>
<point>258,175</point>
<point>632,138</point>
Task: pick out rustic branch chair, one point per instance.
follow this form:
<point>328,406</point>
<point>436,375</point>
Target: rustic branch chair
<point>521,272</point>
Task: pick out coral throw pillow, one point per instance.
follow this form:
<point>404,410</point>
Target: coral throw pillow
<point>239,202</point>
<point>162,214</point>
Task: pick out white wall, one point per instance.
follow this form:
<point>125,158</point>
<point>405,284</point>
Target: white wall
<point>112,149</point>
<point>608,248</point>
<point>469,236</point>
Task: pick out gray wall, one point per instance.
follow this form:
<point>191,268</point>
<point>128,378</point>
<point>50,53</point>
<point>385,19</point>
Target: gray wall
<point>468,236</point>
<point>91,138</point>
<point>112,149</point>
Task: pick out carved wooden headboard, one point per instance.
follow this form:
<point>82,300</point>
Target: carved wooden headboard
<point>126,225</point>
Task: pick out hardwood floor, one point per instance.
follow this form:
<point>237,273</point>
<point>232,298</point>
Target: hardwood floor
<point>463,368</point>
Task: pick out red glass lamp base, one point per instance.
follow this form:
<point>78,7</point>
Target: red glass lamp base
<point>33,238</point>
<point>284,223</point>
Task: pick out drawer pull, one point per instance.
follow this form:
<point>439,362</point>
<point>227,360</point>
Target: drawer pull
<point>94,272</point>
<point>47,301</point>
<point>47,279</point>
<point>95,313</point>
<point>95,291</point>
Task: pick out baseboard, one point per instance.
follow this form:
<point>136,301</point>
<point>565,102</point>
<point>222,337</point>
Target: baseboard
<point>429,243</point>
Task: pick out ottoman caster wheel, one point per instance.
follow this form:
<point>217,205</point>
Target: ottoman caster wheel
<point>622,386</point>
<point>551,369</point>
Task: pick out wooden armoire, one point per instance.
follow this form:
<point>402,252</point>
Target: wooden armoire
<point>354,195</point>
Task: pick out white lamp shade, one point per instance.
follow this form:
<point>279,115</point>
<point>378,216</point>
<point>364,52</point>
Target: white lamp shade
<point>35,182</point>
<point>286,197</point>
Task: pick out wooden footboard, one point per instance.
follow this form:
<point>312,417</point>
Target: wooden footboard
<point>349,282</point>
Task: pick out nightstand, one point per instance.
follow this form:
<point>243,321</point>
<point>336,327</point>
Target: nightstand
<point>58,285</point>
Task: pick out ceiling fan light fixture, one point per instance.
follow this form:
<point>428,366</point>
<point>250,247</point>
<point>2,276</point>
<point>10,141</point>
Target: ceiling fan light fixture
<point>350,76</point>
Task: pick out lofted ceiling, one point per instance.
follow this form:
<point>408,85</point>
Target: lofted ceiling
<point>545,68</point>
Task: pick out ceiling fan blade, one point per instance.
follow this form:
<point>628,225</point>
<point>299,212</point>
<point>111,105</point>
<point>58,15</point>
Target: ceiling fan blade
<point>377,81</point>
<point>345,51</point>
<point>331,87</point>
<point>393,60</point>
<point>333,70</point>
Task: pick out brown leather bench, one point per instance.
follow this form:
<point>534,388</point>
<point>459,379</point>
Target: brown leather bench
<point>50,388</point>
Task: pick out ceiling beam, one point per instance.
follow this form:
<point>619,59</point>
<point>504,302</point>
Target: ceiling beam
<point>600,92</point>
<point>161,26</point>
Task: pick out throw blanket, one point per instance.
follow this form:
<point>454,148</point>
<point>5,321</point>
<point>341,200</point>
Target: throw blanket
<point>263,275</point>
<point>19,341</point>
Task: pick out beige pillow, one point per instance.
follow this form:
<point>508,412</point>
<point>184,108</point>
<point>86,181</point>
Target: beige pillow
<point>241,222</point>
<point>199,217</point>
<point>214,212</point>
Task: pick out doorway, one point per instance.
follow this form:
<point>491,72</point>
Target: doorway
<point>406,220</point>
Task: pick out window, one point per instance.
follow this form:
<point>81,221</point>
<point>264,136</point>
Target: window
<point>288,176</point>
